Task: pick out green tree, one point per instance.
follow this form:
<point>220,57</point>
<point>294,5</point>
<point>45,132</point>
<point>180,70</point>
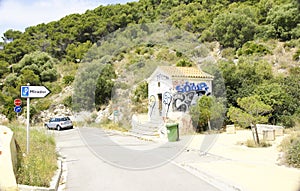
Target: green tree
<point>242,78</point>
<point>208,109</point>
<point>235,28</point>
<point>3,68</point>
<point>104,85</point>
<point>76,51</point>
<point>28,76</point>
<point>273,94</point>
<point>251,111</point>
<point>11,35</point>
<point>283,19</point>
<point>141,92</point>
<point>6,106</point>
<point>11,80</point>
<point>40,63</point>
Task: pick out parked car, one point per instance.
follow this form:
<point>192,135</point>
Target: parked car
<point>59,123</point>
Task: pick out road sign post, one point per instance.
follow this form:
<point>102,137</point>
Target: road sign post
<point>17,108</point>
<point>32,92</point>
<point>28,124</point>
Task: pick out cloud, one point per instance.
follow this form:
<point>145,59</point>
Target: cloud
<point>18,14</point>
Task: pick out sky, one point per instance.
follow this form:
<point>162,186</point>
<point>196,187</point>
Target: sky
<point>20,14</point>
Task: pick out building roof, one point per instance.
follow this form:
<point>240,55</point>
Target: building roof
<point>185,72</point>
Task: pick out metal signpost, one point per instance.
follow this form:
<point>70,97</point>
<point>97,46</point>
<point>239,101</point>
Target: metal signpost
<point>32,92</point>
<point>18,107</point>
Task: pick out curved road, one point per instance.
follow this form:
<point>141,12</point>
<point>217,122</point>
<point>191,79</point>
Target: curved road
<point>111,162</point>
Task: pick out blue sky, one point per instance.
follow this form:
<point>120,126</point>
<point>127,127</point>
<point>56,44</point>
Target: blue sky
<point>20,14</point>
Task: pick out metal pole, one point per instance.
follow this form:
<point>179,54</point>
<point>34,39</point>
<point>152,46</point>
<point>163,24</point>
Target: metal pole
<point>28,123</point>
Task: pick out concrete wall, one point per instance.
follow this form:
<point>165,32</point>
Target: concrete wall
<point>8,160</point>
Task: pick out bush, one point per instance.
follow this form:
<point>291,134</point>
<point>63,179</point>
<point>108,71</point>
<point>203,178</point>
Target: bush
<point>68,80</point>
<point>184,63</point>
<point>291,148</point>
<point>250,48</point>
<point>54,87</point>
<point>49,75</point>
<point>141,92</point>
<point>43,104</point>
<point>293,154</point>
<point>67,101</point>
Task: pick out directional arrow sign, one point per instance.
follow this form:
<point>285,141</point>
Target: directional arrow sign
<point>18,109</point>
<point>34,91</point>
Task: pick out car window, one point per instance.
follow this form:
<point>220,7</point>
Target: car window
<point>52,120</point>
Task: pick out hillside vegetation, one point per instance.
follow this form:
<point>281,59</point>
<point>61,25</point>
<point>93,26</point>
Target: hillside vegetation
<point>254,44</point>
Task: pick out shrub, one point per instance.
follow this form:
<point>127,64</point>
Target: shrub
<point>67,101</point>
<point>67,80</point>
<point>250,48</point>
<point>54,87</point>
<point>141,92</point>
<point>49,75</point>
<point>43,104</point>
<point>296,56</point>
<point>291,148</point>
<point>184,63</point>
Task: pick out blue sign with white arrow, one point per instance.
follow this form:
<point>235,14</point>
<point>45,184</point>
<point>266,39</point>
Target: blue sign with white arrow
<point>18,109</point>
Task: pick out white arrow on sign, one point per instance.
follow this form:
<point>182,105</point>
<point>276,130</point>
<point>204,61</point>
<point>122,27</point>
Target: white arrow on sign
<point>34,91</point>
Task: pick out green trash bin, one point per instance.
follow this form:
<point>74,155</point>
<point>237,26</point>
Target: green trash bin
<point>173,132</point>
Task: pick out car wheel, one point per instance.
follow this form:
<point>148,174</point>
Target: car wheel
<point>58,127</point>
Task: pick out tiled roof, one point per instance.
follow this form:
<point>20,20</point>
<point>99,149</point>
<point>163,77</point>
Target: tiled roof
<point>185,72</point>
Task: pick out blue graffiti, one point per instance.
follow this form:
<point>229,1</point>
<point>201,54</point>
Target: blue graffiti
<point>187,87</point>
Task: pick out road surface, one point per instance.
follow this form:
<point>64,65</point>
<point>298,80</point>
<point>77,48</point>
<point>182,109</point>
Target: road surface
<point>97,160</point>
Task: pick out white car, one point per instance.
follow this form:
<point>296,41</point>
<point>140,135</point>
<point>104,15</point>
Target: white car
<point>59,123</point>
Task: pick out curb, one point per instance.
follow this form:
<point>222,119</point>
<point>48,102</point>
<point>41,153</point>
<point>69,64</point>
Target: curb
<point>145,138</point>
<point>54,184</point>
<point>209,178</point>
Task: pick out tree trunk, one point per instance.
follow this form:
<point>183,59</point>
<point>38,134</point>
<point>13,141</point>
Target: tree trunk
<point>209,127</point>
<point>256,133</point>
<point>253,133</point>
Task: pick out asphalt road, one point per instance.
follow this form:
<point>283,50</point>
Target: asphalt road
<point>97,160</point>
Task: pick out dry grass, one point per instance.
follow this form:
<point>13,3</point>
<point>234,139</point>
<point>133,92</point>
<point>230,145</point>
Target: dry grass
<point>250,143</point>
<point>38,166</point>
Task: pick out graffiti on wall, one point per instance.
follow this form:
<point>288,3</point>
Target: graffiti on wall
<point>187,87</point>
<point>152,102</point>
<point>188,94</point>
<point>167,100</point>
<point>182,101</point>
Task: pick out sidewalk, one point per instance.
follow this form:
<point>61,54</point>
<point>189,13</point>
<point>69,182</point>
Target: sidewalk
<point>247,169</point>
